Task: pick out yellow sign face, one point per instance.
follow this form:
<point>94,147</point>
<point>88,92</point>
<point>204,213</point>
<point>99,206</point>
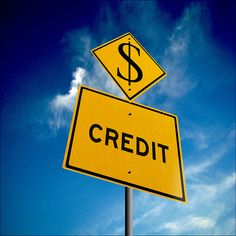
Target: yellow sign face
<point>129,64</point>
<point>126,143</point>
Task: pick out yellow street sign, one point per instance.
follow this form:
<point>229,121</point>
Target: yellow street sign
<point>129,64</point>
<point>126,143</point>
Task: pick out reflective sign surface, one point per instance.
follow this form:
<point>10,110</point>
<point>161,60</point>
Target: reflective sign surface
<point>126,143</point>
<point>129,64</point>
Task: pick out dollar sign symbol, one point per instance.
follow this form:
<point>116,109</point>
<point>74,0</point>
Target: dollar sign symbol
<point>130,63</point>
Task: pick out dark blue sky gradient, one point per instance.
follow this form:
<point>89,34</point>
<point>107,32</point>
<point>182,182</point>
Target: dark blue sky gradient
<point>32,33</point>
<point>32,30</point>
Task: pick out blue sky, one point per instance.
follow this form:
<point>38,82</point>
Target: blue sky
<point>45,55</point>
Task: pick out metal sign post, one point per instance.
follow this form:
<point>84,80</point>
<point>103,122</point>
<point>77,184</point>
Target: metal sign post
<point>128,211</point>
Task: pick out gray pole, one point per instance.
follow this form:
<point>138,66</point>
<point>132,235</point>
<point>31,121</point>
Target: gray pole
<point>128,212</point>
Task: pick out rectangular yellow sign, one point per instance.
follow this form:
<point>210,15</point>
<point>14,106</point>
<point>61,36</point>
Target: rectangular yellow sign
<point>126,143</point>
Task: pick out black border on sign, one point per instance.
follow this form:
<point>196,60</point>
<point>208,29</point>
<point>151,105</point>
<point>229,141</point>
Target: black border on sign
<point>67,163</point>
<point>143,89</point>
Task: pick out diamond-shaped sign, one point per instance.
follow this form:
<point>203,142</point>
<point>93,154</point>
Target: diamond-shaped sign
<point>129,64</point>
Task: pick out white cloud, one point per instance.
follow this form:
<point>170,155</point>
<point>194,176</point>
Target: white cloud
<point>154,212</point>
<point>228,229</point>
<point>179,54</point>
<point>195,169</point>
<point>78,76</point>
<point>66,101</point>
<point>198,136</point>
<point>227,183</point>
<point>187,222</point>
<point>204,214</point>
<point>221,142</point>
<point>77,47</point>
<point>212,192</point>
<point>62,105</point>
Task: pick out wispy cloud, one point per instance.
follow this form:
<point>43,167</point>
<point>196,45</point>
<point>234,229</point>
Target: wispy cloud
<point>222,143</point>
<point>78,44</point>
<point>204,214</point>
<point>66,101</point>
<point>62,104</point>
<point>193,222</point>
<point>154,212</point>
<point>194,169</point>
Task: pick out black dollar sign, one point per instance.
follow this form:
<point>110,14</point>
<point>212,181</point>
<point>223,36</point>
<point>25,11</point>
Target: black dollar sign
<point>130,63</point>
